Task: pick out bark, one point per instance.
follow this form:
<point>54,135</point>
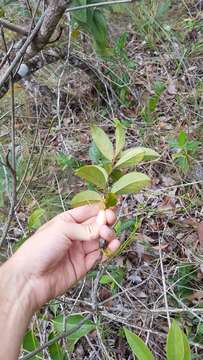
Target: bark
<point>53,15</point>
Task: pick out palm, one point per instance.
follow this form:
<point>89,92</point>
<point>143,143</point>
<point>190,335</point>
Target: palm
<point>57,261</point>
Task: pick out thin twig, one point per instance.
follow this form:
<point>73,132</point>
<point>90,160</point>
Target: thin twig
<point>13,27</point>
<point>164,280</point>
<point>8,112</point>
<point>6,56</point>
<point>22,51</point>
<point>56,338</point>
<point>105,3</point>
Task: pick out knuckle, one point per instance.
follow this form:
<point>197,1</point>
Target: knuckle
<point>91,231</point>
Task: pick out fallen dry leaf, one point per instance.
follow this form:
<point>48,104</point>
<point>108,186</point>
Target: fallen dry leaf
<point>160,247</point>
<point>197,295</point>
<point>172,89</point>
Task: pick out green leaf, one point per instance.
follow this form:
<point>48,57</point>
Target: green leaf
<point>129,183</point>
<point>67,162</point>
<point>35,220</point>
<point>149,154</point>
<point>192,146</point>
<point>159,88</point>
<point>183,163</point>
<point>138,347</point>
<point>31,343</point>
<point>80,15</point>
<point>55,350</point>
<point>86,198</point>
<point>2,12</point>
<point>182,138</point>
<point>175,343</point>
<point>110,200</point>
<point>105,280</point>
<point>120,137</point>
<point>5,138</point>
<point>103,142</point>
<point>99,30</point>
<point>187,352</point>
<point>71,322</point>
<point>123,225</point>
<point>94,174</point>
<point>136,155</point>
<point>130,157</point>
<point>95,155</point>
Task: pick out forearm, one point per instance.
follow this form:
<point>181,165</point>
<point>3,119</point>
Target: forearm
<point>15,310</point>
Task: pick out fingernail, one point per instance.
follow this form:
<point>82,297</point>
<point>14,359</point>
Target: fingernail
<point>101,218</point>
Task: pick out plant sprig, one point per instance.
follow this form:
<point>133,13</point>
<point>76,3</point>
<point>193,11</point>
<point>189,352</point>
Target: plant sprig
<point>109,178</point>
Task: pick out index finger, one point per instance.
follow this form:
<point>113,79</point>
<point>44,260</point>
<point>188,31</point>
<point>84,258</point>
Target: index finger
<point>83,213</point>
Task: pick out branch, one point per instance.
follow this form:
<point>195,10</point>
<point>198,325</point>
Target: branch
<point>56,339</point>
<point>51,56</point>
<point>53,15</point>
<point>21,52</point>
<point>16,28</point>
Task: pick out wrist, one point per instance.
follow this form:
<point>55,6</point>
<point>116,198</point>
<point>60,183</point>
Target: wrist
<point>16,309</point>
<point>15,291</point>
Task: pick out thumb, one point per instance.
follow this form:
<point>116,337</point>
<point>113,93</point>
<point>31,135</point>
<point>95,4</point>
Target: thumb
<point>87,232</point>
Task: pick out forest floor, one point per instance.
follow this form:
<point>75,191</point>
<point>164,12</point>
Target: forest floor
<point>155,87</point>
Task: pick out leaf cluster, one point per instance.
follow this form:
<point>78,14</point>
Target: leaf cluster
<point>184,150</point>
<point>93,21</point>
<point>109,178</point>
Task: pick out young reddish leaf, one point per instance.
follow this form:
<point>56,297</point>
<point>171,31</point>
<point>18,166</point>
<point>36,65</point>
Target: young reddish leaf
<point>103,142</point>
<point>129,183</point>
<point>94,174</point>
<point>86,198</point>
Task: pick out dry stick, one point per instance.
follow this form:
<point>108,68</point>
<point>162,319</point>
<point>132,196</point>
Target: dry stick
<point>29,7</point>
<point>6,57</point>
<point>164,281</point>
<point>29,34</point>
<point>56,339</point>
<point>22,51</point>
<point>4,115</point>
<point>13,27</point>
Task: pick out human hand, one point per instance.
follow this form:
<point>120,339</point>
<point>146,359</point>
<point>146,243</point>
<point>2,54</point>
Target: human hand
<point>63,250</point>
